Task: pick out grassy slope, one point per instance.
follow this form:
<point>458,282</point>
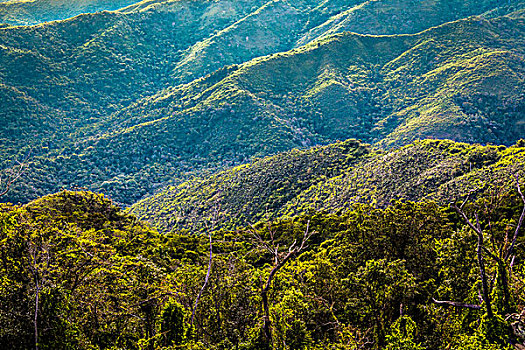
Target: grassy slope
<point>87,67</point>
<point>90,66</point>
<point>331,178</point>
<point>399,16</point>
<point>281,25</point>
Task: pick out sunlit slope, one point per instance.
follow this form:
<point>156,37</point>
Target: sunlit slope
<point>30,12</point>
<point>83,69</point>
<point>462,81</point>
<point>404,17</point>
<point>332,178</point>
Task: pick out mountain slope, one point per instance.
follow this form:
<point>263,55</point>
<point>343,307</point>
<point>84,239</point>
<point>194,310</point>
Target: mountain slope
<point>30,12</point>
<point>88,67</point>
<point>332,178</point>
<point>405,17</point>
<point>463,81</point>
<point>101,108</point>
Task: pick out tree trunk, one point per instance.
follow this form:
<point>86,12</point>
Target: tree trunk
<point>205,282</point>
<point>264,296</point>
<point>484,283</point>
<point>502,272</point>
<point>267,321</point>
<point>35,321</point>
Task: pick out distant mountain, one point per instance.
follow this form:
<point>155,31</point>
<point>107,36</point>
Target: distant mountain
<point>387,17</point>
<point>109,103</point>
<point>332,178</point>
<point>29,12</point>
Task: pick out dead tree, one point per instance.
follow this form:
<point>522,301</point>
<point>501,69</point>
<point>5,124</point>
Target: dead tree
<point>39,266</point>
<point>11,175</point>
<point>280,258</point>
<point>481,262</point>
<point>206,279</point>
<point>210,260</point>
<point>501,257</point>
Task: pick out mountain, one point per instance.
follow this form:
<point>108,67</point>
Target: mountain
<point>108,104</point>
<point>319,244</point>
<point>332,178</point>
<point>387,17</point>
<point>31,12</point>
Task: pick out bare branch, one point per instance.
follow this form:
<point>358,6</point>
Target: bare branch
<point>456,304</point>
<point>520,221</point>
<point>460,211</point>
<point>466,199</point>
<point>491,254</point>
<point>292,251</point>
<point>14,175</point>
<point>481,263</point>
<point>206,279</point>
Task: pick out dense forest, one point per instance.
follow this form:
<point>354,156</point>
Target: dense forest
<point>262,174</point>
<point>332,178</point>
<point>79,273</point>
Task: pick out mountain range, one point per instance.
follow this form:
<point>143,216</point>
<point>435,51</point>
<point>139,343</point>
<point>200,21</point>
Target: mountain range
<point>128,101</point>
<point>271,174</point>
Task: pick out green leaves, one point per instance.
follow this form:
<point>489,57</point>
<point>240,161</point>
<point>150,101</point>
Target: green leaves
<point>82,268</point>
<point>402,334</point>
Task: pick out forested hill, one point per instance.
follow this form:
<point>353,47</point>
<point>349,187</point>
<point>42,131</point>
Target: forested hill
<point>462,80</point>
<point>28,12</point>
<point>298,175</point>
<point>333,178</point>
<point>78,273</point>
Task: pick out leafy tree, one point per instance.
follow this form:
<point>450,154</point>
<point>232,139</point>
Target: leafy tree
<point>402,333</point>
<point>172,323</point>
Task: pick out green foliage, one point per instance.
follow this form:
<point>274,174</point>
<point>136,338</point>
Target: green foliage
<point>19,12</point>
<point>331,178</point>
<point>172,323</point>
<point>170,91</point>
<point>402,334</point>
<point>376,289</point>
<point>91,267</point>
<point>251,192</point>
<point>105,280</point>
<point>297,336</point>
<point>491,334</point>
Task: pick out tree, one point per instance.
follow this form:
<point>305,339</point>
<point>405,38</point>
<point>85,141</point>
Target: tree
<point>501,251</point>
<point>40,259</point>
<point>402,334</point>
<point>376,291</point>
<point>172,323</point>
<point>12,174</point>
<point>280,258</point>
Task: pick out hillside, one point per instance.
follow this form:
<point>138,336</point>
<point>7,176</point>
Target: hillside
<point>332,178</point>
<point>75,252</point>
<point>30,12</point>
<point>460,81</point>
<point>88,67</point>
<point>386,17</point>
<point>270,174</point>
<point>102,106</point>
